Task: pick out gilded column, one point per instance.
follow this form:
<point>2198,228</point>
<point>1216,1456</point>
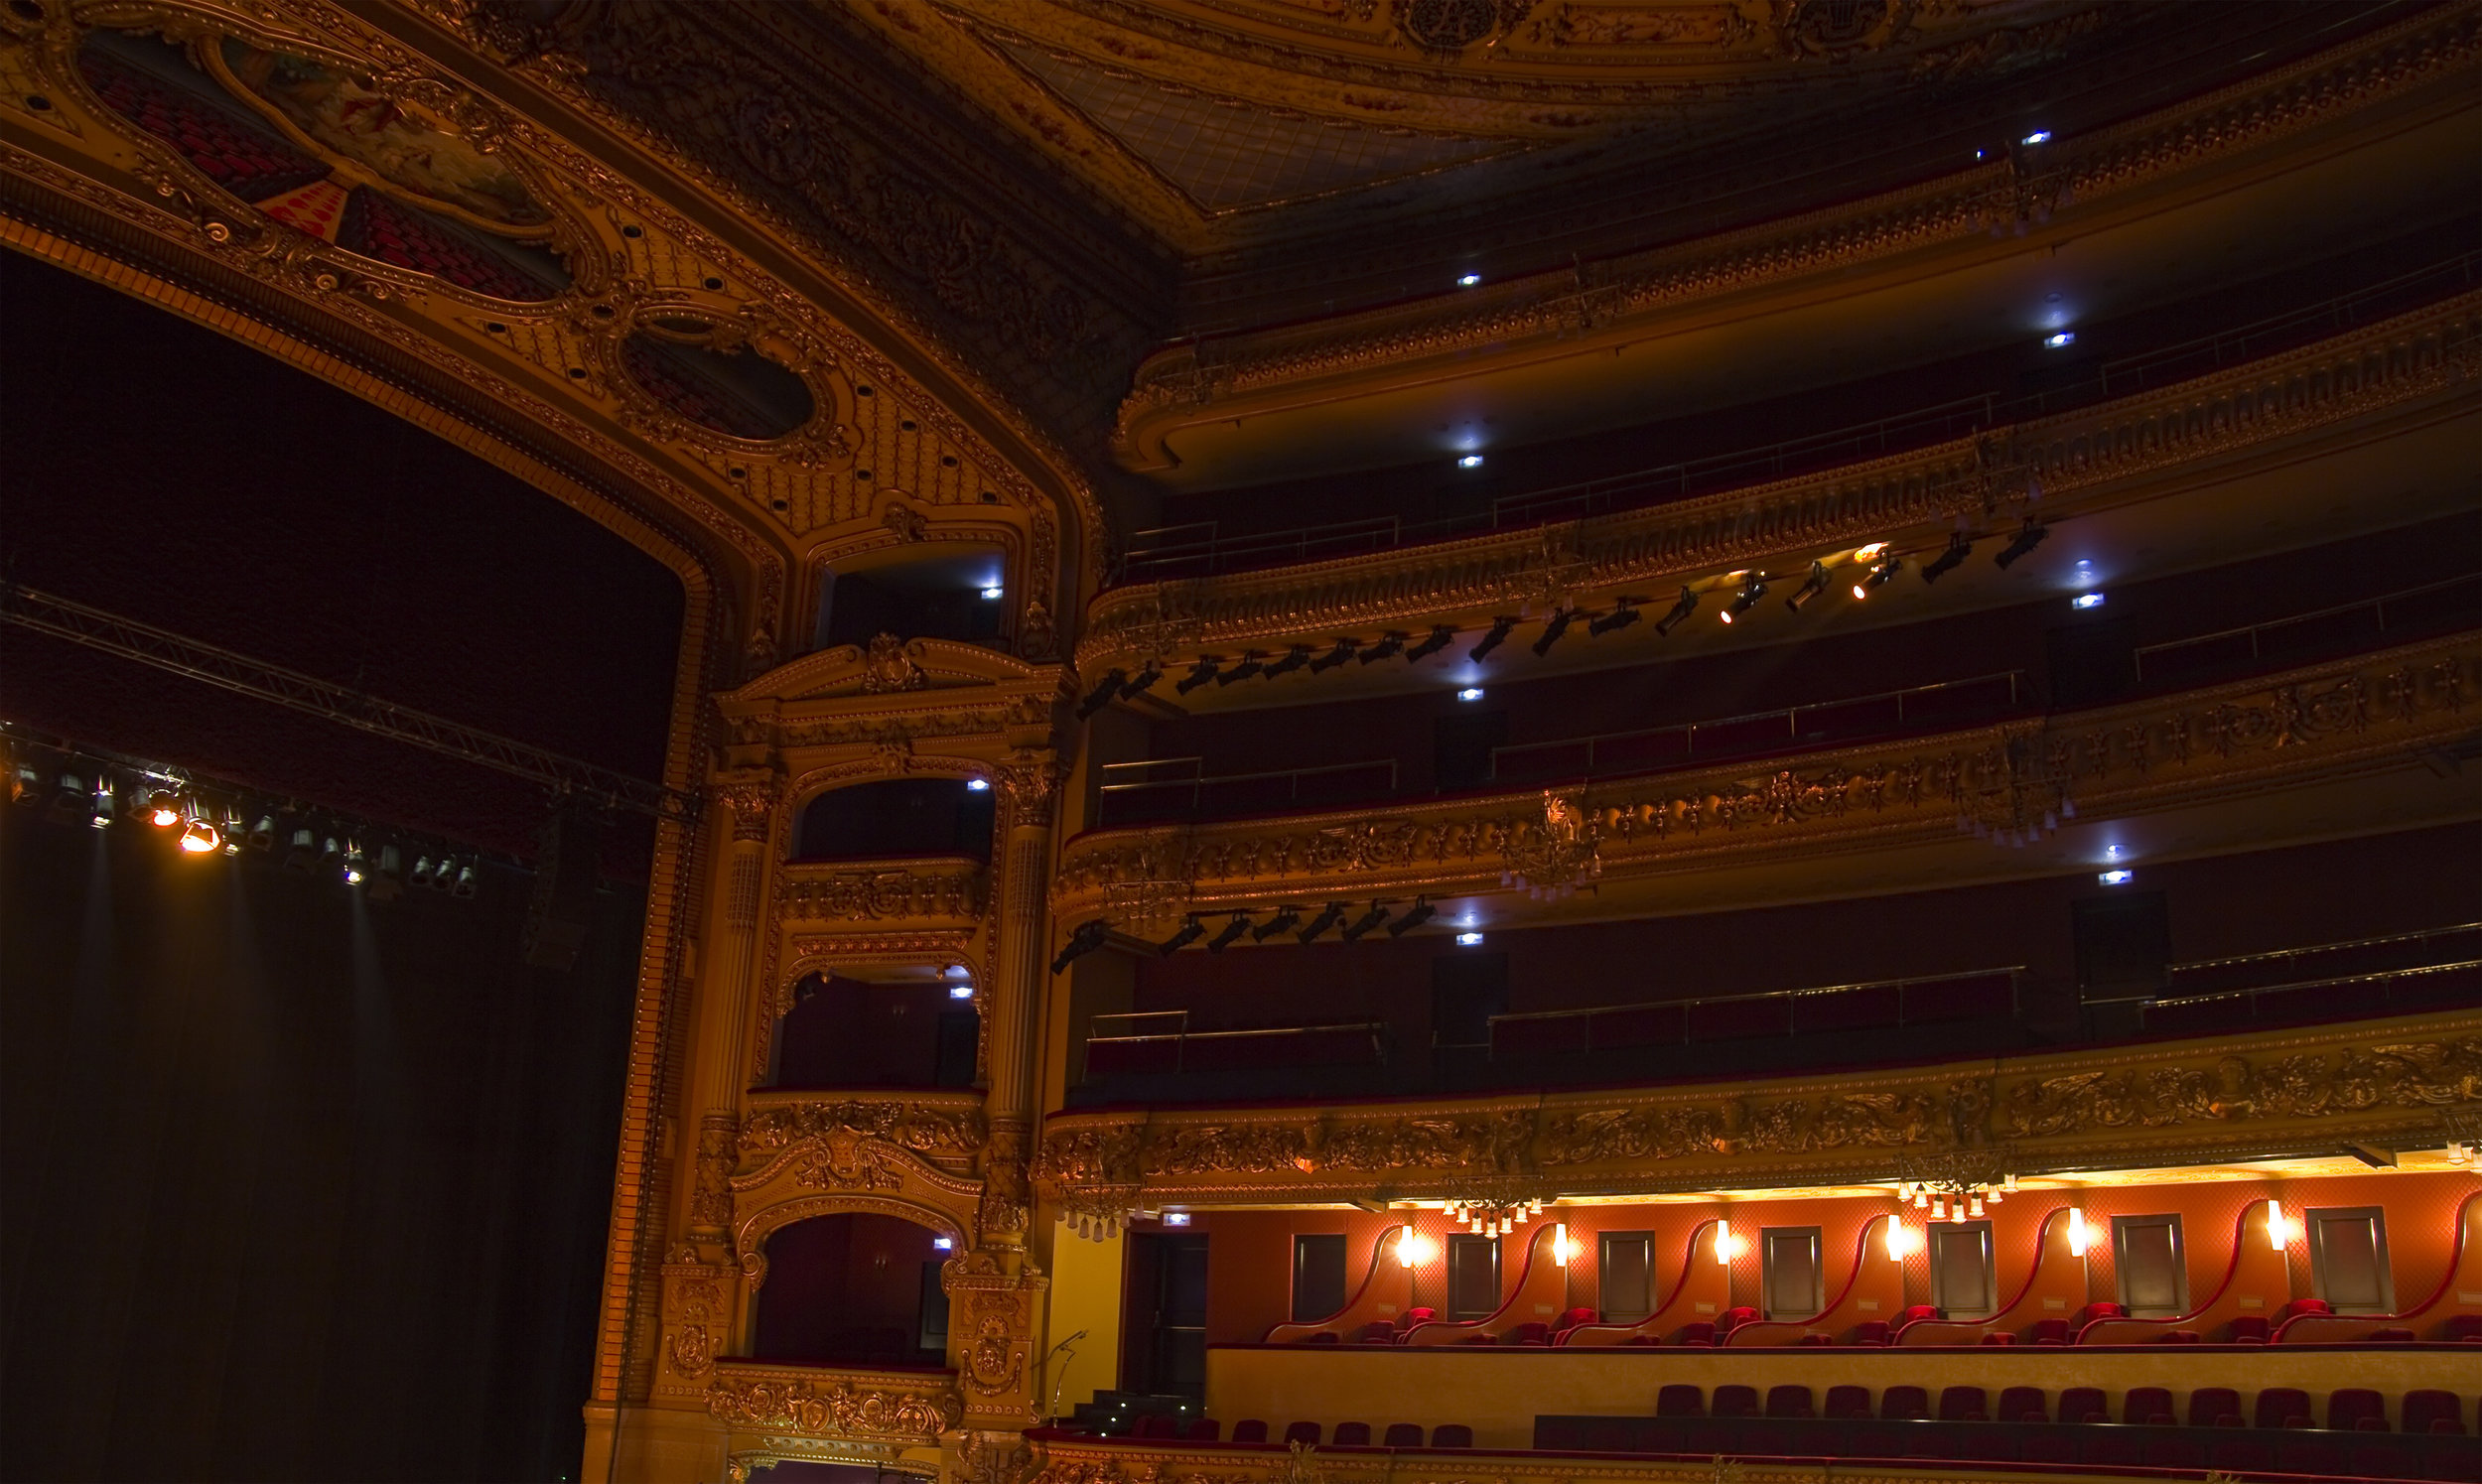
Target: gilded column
<point>726,1001</point>
<point>1028,788</point>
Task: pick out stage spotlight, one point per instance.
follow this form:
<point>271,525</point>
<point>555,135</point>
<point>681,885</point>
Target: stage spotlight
<point>1145,678</point>
<point>1252,663</point>
<point>422,870</point>
<point>1342,651</point>
<point>1880,570</point>
<point>1284,918</point>
<point>1621,617</point>
<point>25,784</point>
<point>1681,609</point>
<point>1390,645</point>
<point>1811,587</point>
<point>1442,635</point>
<point>388,882</point>
<point>444,875</point>
<point>198,837</point>
<point>1334,914</point>
<point>1101,696</point>
<point>1231,934</point>
<point>464,883</point>
<point>1414,917</point>
<point>263,836</point>
<point>69,800</point>
<point>1552,629</point>
<point>1190,931</point>
<point>165,812</point>
<point>1200,674</point>
<point>102,806</point>
<point>353,863</point>
<point>2027,540</point>
<point>1747,598</point>
<point>1087,937</point>
<point>1294,659</point>
<point>1960,546</point>
<point>1500,631</point>
<point>1365,922</point>
<point>303,852</point>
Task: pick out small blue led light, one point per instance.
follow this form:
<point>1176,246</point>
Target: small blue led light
<point>1470,280</point>
<point>1468,940</point>
<point>1176,1218</point>
<point>977,785</point>
<point>2057,341</point>
<point>960,991</point>
<point>2038,136</point>
<point>943,1243</point>
<point>991,594</point>
<point>2116,877</point>
<point>1470,693</point>
<point>1470,461</point>
<point>2085,601</point>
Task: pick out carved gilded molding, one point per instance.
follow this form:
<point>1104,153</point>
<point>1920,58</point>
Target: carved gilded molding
<point>1241,375</point>
<point>818,1137</point>
<point>934,894</point>
<point>1068,1461</point>
<point>833,1401</point>
<point>2183,1102</point>
<point>2326,721</point>
<point>2080,461</point>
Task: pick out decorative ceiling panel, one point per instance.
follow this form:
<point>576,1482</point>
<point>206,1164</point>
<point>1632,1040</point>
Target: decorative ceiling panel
<point>1226,153</point>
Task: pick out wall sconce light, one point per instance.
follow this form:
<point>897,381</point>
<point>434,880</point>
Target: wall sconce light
<point>1562,1248</point>
<point>1727,1246</point>
<point>2279,1230</point>
<point>1902,1239</point>
<point>2076,1232</point>
<point>1413,1248</point>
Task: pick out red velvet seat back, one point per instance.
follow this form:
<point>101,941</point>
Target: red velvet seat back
<point>2083,1404</point>
<point>2281,1407</point>
<point>1964,1404</point>
<point>2022,1404</point>
<point>2214,1407</point>
<point>2145,1404</point>
<point>1904,1402</point>
<point>1201,1429</point>
<point>1451,1435</point>
<point>1304,1433</point>
<point>2355,1408</point>
<point>1793,1401</point>
<point>1848,1401</point>
<point>2425,1411</point>
<point>1734,1402</point>
<point>1403,1436</point>
<point>1352,1434</point>
<point>1680,1401</point>
<point>1249,1430</point>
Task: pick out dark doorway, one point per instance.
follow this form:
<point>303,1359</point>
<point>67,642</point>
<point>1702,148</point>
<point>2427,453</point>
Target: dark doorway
<point>1163,1347</point>
<point>1318,1275</point>
<point>2123,944</point>
<point>846,1032</point>
<point>898,817</point>
<point>1466,990</point>
<point>930,598</point>
<point>1788,1262</point>
<point>1473,1276</point>
<point>1460,747</point>
<point>851,1290</point>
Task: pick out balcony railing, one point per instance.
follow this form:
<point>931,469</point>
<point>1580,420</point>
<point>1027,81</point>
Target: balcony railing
<point>1176,787</point>
<point>2399,992</point>
<point>1161,1043</point>
<point>2427,949</point>
<point>2386,619</point>
<point>1883,1005</point>
<point>1200,549</point>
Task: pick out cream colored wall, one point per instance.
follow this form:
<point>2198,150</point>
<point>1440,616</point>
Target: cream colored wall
<point>1085,1295</point>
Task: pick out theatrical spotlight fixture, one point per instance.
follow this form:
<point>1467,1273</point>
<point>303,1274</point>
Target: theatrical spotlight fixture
<point>1231,934</point>
<point>1681,609</point>
<point>1284,918</point>
<point>422,870</point>
<point>25,784</point>
<point>100,807</point>
<point>1414,917</point>
<point>264,836</point>
<point>353,865</point>
<point>2027,540</point>
<point>1881,570</point>
<point>1747,598</point>
<point>1810,588</point>
<point>1190,931</point>
<point>388,882</point>
<point>165,812</point>
<point>332,854</point>
<point>1334,914</point>
<point>444,875</point>
<point>1294,659</point>
<point>1251,664</point>
<point>1500,629</point>
<point>1365,922</point>
<point>198,837</point>
<point>1342,651</point>
<point>1442,635</point>
<point>1623,613</point>
<point>70,800</point>
<point>303,852</point>
<point>464,883</point>
<point>1101,696</point>
<point>1960,546</point>
<point>1557,625</point>
<point>1152,672</point>
<point>1390,645</point>
<point>1087,937</point>
<point>1200,674</point>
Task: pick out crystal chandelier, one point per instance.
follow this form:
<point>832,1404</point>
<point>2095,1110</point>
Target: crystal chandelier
<point>1957,1186</point>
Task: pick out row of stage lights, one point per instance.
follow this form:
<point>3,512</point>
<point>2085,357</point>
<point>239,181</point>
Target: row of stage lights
<point>1880,566</point>
<point>1090,936</point>
<point>200,823</point>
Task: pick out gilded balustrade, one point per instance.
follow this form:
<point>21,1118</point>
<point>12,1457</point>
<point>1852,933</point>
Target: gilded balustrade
<point>836,1414</point>
<point>2080,461</point>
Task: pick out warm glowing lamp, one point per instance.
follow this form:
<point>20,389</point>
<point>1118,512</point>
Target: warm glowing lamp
<point>1726,1246</point>
<point>2279,1231</point>
<point>1413,1249</point>
<point>200,838</point>
<point>1902,1241</point>
<point>2076,1232</point>
<point>1562,1248</point>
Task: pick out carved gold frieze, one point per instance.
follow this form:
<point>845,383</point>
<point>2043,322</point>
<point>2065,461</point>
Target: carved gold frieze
<point>2078,461</point>
<point>818,1138</point>
<point>2324,722</point>
<point>2172,1103</point>
<point>948,894</point>
<point>833,1403</point>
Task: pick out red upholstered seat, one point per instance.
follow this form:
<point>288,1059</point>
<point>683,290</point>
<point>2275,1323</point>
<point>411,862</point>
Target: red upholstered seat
<point>1451,1435</point>
<point>1249,1430</point>
<point>1200,1430</point>
<point>1964,1404</point>
<point>1352,1434</point>
<point>1534,1332</point>
<point>1916,1311</point>
<point>1998,1337</point>
<point>1412,1318</point>
<point>1306,1433</point>
<point>2464,1327</point>
<point>1904,1402</point>
<point>1870,1332</point>
<point>2396,1333</point>
<point>1734,1318</point>
<point>2281,1407</point>
<point>1322,1337</point>
<point>1848,1401</point>
<point>2180,1337</point>
<point>2147,1405</point>
<point>1154,1424</point>
<point>1700,1333</point>
<point>2433,1412</point>
<point>2092,1312</point>
<point>2355,1408</point>
<point>1574,1317</point>
<point>1403,1436</point>
<point>2050,1332</point>
<point>1376,1332</point>
<point>2214,1407</point>
<point>1680,1401</point>
<point>2083,1404</point>
<point>1734,1402</point>
<point>1816,1337</point>
<point>2300,1306</point>
<point>2249,1329</point>
<point>1794,1401</point>
<point>2022,1403</point>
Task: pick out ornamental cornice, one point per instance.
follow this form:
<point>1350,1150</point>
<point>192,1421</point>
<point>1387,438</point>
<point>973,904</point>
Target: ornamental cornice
<point>2326,721</point>
<point>2080,461</point>
<point>2183,1102</point>
<point>928,894</point>
<point>1253,372</point>
<point>819,1136</point>
<point>883,698</point>
<point>911,1406</point>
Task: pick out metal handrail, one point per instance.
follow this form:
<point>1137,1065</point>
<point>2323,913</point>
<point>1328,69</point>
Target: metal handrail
<point>2379,979</point>
<point>2272,954</point>
<point>2378,605</point>
<point>2128,374</point>
<point>1196,782</point>
<point>1790,714</point>
<point>2016,973</point>
<point>1182,1037</point>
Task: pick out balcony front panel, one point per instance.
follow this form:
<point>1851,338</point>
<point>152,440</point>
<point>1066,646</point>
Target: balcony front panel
<point>876,1413</point>
<point>825,1137</point>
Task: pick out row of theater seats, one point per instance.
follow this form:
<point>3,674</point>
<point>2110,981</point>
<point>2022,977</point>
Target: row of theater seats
<point>1347,1434</point>
<point>2351,1410</point>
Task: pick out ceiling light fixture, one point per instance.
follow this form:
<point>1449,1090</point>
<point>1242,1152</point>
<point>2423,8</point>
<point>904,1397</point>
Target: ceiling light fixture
<point>1470,280</point>
<point>1442,635</point>
<point>1470,693</point>
<point>1470,461</point>
<point>1681,609</point>
<point>1330,917</point>
<point>2038,136</point>
<point>1552,629</point>
<point>2060,341</point>
<point>1747,598</point>
<point>1810,588</point>
<point>1501,629</point>
<point>1880,570</point>
<point>1468,940</point>
<point>1414,916</point>
<point>1231,934</point>
<point>2085,601</point>
<point>1623,613</point>
<point>1960,546</point>
<point>993,594</point>
<point>2116,877</point>
<point>977,785</point>
<point>2026,540</point>
<point>1294,659</point>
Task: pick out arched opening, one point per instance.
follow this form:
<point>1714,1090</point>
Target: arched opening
<point>943,591</point>
<point>898,817</point>
<point>854,1288</point>
<point>883,1032</point>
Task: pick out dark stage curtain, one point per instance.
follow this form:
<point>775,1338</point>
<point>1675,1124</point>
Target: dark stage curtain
<point>293,1186</point>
